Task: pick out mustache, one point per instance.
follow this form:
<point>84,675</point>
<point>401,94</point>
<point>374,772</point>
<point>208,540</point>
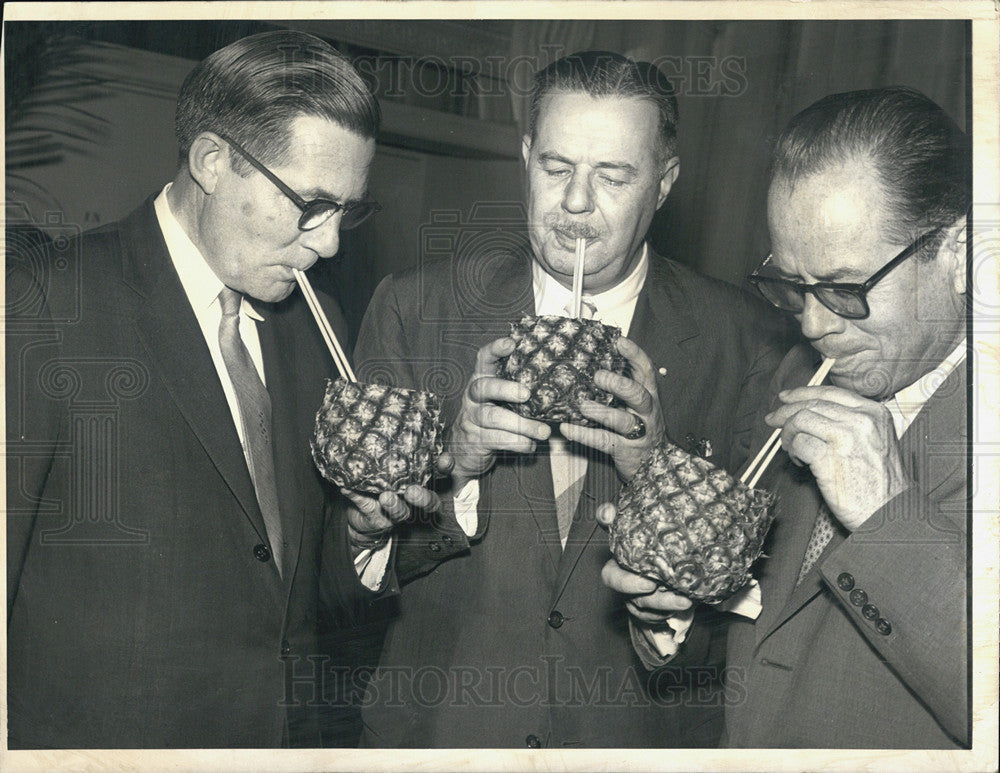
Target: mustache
<point>574,229</point>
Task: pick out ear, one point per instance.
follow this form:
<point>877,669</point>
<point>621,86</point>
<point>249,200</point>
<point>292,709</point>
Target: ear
<point>952,250</point>
<point>525,149</point>
<point>668,179</point>
<point>207,159</point>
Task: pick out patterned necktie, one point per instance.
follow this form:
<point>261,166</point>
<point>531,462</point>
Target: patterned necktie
<point>255,417</point>
<point>568,461</point>
<point>821,535</point>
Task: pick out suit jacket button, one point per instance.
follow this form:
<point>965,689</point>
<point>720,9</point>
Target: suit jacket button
<point>533,742</point>
<point>869,612</point>
<point>434,547</point>
<point>845,581</point>
<point>883,627</point>
<point>858,597</point>
<point>286,648</point>
<point>556,619</point>
<point>447,540</point>
<point>262,552</point>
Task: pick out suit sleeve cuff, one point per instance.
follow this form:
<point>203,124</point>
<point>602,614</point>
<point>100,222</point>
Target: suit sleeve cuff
<point>372,566</point>
<point>658,646</point>
<point>466,502</point>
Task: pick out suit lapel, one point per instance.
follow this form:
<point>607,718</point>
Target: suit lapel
<point>170,333</point>
<point>510,296</point>
<point>798,500</point>
<point>663,325</point>
<point>279,354</point>
<point>930,460</point>
<point>600,485</point>
<point>944,415</point>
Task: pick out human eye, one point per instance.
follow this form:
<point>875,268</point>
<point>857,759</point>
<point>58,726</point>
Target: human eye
<point>613,182</point>
<point>555,171</point>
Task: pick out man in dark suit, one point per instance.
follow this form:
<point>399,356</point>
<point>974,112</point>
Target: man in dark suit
<point>856,635</point>
<point>510,640</point>
<point>172,559</point>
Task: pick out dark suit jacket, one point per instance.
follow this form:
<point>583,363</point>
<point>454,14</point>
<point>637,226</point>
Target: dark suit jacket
<point>813,670</point>
<point>139,611</point>
<point>512,641</point>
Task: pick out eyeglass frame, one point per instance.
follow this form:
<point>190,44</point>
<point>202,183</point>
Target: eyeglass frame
<point>858,290</point>
<point>300,202</point>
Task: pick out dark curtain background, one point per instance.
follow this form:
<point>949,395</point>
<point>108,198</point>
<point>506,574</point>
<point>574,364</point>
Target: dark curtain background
<point>738,83</point>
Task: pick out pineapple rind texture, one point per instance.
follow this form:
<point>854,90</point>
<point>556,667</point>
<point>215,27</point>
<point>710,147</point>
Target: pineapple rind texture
<point>690,525</point>
<point>556,358</point>
<point>373,438</point>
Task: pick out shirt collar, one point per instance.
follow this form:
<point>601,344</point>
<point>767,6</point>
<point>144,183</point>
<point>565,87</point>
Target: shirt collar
<point>909,401</point>
<point>551,297</point>
<point>200,283</point>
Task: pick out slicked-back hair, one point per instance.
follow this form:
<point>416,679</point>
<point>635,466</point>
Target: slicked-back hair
<point>922,157</point>
<point>252,89</point>
<point>607,74</point>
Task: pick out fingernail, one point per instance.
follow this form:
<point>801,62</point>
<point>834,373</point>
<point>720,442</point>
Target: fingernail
<point>782,394</point>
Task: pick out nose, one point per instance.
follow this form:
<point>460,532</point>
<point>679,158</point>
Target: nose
<point>324,240</point>
<point>818,321</point>
<point>578,196</point>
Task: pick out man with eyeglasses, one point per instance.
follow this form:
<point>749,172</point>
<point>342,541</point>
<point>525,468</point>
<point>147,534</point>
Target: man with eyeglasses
<point>854,633</point>
<point>173,555</point>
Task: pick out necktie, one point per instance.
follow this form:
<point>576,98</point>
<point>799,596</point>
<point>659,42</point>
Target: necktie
<point>255,417</point>
<point>568,461</point>
<point>821,535</point>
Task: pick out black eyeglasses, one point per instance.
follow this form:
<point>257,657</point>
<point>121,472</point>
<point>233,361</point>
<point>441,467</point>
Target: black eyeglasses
<point>317,211</point>
<point>845,299</point>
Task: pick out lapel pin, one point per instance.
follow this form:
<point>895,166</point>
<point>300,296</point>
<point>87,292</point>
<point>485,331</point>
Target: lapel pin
<point>662,371</point>
<point>702,448</point>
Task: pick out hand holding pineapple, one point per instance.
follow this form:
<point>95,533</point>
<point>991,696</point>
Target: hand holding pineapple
<point>370,518</point>
<point>482,427</point>
<point>649,602</point>
<point>639,396</point>
<point>849,443</point>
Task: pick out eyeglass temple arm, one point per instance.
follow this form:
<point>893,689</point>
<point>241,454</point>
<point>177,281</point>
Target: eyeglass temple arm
<point>917,245</point>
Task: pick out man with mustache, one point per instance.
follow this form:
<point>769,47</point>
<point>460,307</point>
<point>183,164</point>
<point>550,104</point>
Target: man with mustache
<point>172,559</point>
<point>510,640</point>
<point>856,636</point>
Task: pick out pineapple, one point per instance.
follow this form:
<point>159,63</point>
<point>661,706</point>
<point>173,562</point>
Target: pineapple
<point>556,358</point>
<point>373,438</point>
<point>690,525</point>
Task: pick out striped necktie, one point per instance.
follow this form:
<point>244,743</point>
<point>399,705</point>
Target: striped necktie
<point>255,417</point>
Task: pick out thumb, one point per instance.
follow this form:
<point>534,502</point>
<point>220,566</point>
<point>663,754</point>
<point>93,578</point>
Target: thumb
<point>445,464</point>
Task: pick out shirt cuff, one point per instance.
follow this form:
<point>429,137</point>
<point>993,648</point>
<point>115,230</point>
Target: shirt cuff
<point>371,565</point>
<point>747,602</point>
<point>466,504</point>
<point>666,641</point>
